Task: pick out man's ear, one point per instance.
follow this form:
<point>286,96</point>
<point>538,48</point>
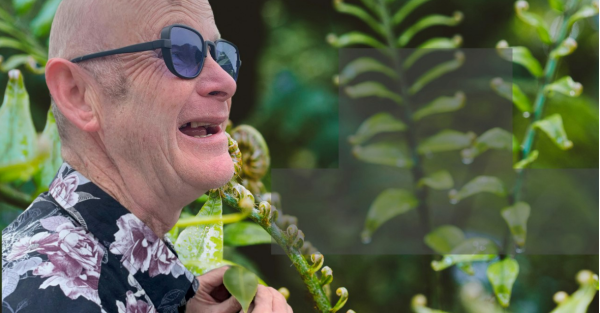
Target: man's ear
<point>68,85</point>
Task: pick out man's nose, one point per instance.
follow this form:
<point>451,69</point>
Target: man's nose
<point>215,82</point>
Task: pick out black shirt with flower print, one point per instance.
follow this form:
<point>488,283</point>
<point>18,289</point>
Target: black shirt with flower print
<point>76,249</point>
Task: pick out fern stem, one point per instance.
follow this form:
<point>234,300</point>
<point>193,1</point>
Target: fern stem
<point>14,197</point>
<point>312,283</point>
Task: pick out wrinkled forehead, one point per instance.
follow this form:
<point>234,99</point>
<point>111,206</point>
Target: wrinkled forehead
<point>143,20</point>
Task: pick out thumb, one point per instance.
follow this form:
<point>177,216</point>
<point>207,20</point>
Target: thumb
<point>212,278</point>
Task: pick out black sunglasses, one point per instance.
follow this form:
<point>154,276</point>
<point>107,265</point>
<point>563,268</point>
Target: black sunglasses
<point>184,51</point>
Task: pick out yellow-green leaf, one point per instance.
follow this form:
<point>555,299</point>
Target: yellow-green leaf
<point>432,45</point>
<point>200,248</point>
<point>512,93</point>
<point>388,204</point>
<point>384,153</point>
<point>353,38</point>
<point>372,89</point>
<point>516,217</point>
<point>533,20</point>
<point>553,127</point>
<point>18,142</point>
<point>439,180</point>
<point>22,6</point>
<point>358,12</point>
<point>565,48</point>
<point>446,140</point>
<point>521,56</point>
<point>437,71</point>
<point>13,62</point>
<point>584,12</point>
<point>444,238</point>
<point>557,5</point>
<point>405,10</point>
<point>441,105</point>
<point>495,138</point>
<point>364,65</point>
<point>477,185</point>
<point>6,42</point>
<point>242,284</point>
<point>245,234</point>
<point>426,22</point>
<point>382,122</point>
<point>566,86</point>
<point>526,161</point>
<point>502,276</point>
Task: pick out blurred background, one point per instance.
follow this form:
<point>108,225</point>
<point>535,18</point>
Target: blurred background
<point>285,90</point>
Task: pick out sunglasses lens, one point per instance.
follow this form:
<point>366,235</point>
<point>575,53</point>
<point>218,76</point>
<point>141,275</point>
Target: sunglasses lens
<point>186,51</point>
<point>227,55</point>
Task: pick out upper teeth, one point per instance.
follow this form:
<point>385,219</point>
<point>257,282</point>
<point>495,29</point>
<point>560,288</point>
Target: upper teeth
<point>197,124</point>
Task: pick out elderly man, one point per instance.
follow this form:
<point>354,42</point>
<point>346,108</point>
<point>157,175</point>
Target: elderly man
<point>141,92</point>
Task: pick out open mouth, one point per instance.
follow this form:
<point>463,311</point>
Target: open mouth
<point>199,129</point>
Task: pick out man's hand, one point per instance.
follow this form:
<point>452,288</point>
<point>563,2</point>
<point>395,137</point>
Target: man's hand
<point>213,297</point>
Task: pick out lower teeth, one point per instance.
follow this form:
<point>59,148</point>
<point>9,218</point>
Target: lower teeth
<point>207,135</point>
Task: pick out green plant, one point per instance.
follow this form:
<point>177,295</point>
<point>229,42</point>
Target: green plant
<point>449,240</point>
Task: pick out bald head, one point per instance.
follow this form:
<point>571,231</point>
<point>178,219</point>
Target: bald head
<point>83,27</point>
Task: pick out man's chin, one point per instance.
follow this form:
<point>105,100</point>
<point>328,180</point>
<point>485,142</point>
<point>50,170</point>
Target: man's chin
<point>212,174</point>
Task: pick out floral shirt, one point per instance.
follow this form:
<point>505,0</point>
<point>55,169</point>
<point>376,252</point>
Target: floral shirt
<point>76,249</point>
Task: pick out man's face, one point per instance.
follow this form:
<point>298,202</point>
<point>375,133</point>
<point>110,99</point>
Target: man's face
<point>142,132</point>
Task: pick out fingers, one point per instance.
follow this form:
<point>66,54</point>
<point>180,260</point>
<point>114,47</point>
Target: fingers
<point>263,301</point>
<point>228,306</point>
<point>279,303</point>
<point>212,278</point>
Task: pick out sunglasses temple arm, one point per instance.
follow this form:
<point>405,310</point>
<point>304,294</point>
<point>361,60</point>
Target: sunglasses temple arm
<point>153,45</point>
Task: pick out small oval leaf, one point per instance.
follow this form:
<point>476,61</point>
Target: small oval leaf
<point>584,12</point>
<point>528,160</point>
<point>502,276</point>
<point>521,56</point>
<point>512,93</point>
<point>382,122</point>
<point>384,153</point>
<point>426,22</point>
<point>439,180</point>
<point>477,185</point>
<point>364,65</point>
<point>534,20</point>
<point>438,71</point>
<point>388,204</point>
<point>372,89</point>
<point>495,138</point>
<point>516,217</point>
<point>245,234</point>
<point>432,45</point>
<point>354,38</point>
<point>444,238</point>
<point>405,10</point>
<point>553,127</point>
<point>242,284</point>
<point>566,86</point>
<point>441,105</point>
<point>358,12</point>
<point>446,140</point>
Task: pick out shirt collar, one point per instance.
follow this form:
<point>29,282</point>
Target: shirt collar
<point>150,260</point>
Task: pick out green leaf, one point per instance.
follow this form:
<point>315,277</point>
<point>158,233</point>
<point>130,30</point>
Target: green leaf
<point>242,284</point>
<point>253,270</point>
<point>512,93</point>
<point>384,153</point>
<point>439,180</point>
<point>557,5</point>
<point>441,105</point>
<point>565,86</point>
<point>51,164</point>
<point>245,234</point>
<point>382,122</point>
<point>437,71</point>
<point>6,42</point>
<point>432,45</point>
<point>516,217</point>
<point>444,238</point>
<point>426,22</point>
<point>470,250</point>
<point>372,89</point>
<point>358,12</point>
<point>388,204</point>
<point>477,185</point>
<point>533,20</point>
<point>553,127</point>
<point>495,138</point>
<point>520,55</point>
<point>18,142</point>
<point>40,25</point>
<point>364,65</point>
<point>201,247</point>
<point>526,161</point>
<point>13,62</point>
<point>354,38</point>
<point>405,10</point>
<point>579,301</point>
<point>502,276</point>
<point>584,12</point>
<point>446,140</point>
<point>565,48</point>
<point>22,6</point>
